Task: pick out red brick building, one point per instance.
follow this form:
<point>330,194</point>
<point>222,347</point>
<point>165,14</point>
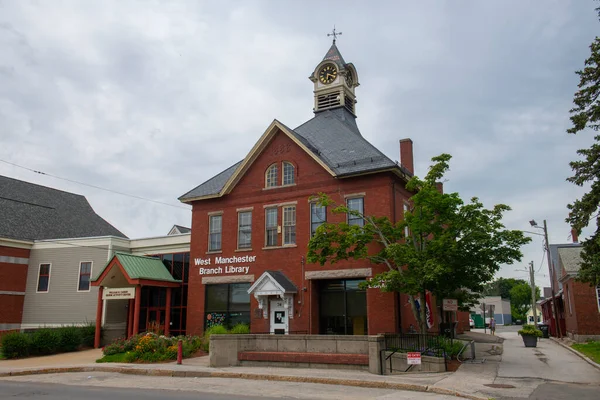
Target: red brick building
<point>252,222</point>
<point>578,303</point>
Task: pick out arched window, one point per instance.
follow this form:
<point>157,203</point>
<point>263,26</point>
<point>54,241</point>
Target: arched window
<point>271,176</point>
<point>288,173</point>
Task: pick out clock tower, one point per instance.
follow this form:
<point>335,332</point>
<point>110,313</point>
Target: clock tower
<point>335,81</point>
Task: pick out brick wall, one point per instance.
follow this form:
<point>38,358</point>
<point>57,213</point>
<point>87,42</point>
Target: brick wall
<point>311,178</point>
<point>585,310</point>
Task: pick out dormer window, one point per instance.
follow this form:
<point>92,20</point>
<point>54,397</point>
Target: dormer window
<point>271,176</point>
<point>288,173</point>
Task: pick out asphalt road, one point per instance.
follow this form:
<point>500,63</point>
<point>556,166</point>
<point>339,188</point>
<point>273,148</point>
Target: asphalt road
<point>561,391</point>
<point>50,391</point>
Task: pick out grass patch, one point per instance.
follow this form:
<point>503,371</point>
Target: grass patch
<point>114,358</point>
<point>590,349</point>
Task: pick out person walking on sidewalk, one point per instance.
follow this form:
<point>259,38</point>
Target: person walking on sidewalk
<point>493,326</point>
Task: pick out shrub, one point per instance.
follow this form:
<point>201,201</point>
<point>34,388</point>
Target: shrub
<point>15,345</point>
<point>213,330</point>
<point>45,341</point>
<point>240,329</point>
<point>530,330</point>
<point>451,347</point>
<point>88,333</point>
<point>70,338</point>
<point>147,344</point>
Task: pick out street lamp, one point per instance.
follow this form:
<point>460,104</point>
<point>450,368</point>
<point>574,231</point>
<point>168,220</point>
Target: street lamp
<point>550,269</point>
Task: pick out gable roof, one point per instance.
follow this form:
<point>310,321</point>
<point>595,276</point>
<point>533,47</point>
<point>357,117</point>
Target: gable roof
<point>178,229</point>
<point>570,258</point>
<point>34,212</point>
<point>331,138</point>
<point>140,267</point>
<point>278,278</point>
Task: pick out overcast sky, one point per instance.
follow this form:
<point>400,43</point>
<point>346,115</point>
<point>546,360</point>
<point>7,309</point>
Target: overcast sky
<point>152,98</point>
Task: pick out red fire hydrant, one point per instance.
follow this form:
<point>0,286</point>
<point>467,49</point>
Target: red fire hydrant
<point>179,352</point>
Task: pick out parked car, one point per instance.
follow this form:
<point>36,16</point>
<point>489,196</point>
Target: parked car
<point>471,323</point>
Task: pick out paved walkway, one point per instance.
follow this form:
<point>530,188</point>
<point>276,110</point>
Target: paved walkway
<point>518,372</point>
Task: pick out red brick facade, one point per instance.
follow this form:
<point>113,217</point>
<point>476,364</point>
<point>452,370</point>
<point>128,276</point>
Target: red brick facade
<point>582,315</point>
<point>13,279</point>
<point>384,195</point>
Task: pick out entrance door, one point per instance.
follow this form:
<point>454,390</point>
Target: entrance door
<point>156,319</point>
<point>279,317</point>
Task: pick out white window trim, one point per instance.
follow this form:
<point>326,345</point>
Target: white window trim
<point>363,207</point>
<point>238,230</point>
<point>266,186</point>
<point>210,215</point>
<point>570,298</point>
<point>310,221</point>
<point>276,226</point>
<point>283,244</point>
<point>283,173</point>
<point>37,284</point>
<point>79,276</point>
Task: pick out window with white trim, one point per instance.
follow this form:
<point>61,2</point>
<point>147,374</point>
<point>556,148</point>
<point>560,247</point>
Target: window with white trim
<point>598,296</point>
<point>318,216</point>
<point>271,227</point>
<point>245,230</point>
<point>43,278</point>
<point>288,173</point>
<point>215,230</point>
<point>355,204</point>
<point>85,272</point>
<point>406,230</point>
<point>271,176</point>
<point>289,225</point>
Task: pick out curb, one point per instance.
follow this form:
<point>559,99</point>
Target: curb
<point>581,355</point>
<point>236,375</point>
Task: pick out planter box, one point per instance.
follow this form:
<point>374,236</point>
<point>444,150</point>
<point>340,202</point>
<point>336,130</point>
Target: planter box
<point>530,340</point>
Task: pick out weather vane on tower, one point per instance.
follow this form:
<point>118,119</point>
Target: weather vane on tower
<point>334,34</point>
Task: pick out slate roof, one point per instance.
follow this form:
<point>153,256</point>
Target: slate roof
<point>141,267</point>
<point>554,257</point>
<point>570,258</point>
<point>283,281</point>
<point>33,212</point>
<point>333,54</point>
<point>333,136</point>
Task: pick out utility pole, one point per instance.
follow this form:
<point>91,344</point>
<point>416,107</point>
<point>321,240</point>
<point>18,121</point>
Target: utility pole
<point>532,283</point>
<point>551,270</point>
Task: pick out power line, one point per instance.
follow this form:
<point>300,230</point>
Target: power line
<point>94,186</point>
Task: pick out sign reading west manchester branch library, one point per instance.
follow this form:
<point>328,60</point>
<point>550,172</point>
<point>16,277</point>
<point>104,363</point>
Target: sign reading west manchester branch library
<point>227,269</point>
<point>118,293</point>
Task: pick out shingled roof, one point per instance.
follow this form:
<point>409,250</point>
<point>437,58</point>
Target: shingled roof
<point>33,212</point>
<point>333,137</point>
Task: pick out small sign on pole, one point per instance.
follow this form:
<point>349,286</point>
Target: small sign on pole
<point>450,305</point>
<point>413,358</point>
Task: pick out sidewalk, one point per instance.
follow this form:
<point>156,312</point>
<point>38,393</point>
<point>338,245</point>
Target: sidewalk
<point>517,373</point>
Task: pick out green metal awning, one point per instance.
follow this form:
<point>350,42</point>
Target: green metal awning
<point>139,268</point>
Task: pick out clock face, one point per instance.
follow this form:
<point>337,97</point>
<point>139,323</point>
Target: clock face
<point>327,74</point>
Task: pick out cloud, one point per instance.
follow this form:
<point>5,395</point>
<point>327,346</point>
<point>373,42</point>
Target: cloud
<point>153,98</point>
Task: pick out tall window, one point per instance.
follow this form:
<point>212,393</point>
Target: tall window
<point>343,307</point>
<point>288,173</point>
<point>271,226</point>
<point>355,204</point>
<point>215,229</point>
<point>85,270</point>
<point>289,225</point>
<point>43,278</point>
<point>318,215</point>
<point>598,296</point>
<point>245,230</point>
<point>271,176</point>
<point>227,304</point>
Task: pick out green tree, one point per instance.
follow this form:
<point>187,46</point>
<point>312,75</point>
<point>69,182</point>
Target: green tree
<point>501,287</point>
<point>520,300</point>
<point>452,249</point>
<point>586,114</point>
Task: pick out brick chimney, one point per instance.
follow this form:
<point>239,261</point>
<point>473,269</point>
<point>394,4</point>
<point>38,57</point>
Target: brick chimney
<point>574,235</point>
<point>406,155</point>
<point>440,187</point>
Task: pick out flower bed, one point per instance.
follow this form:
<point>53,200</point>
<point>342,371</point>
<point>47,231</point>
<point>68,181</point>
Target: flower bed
<point>149,347</point>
